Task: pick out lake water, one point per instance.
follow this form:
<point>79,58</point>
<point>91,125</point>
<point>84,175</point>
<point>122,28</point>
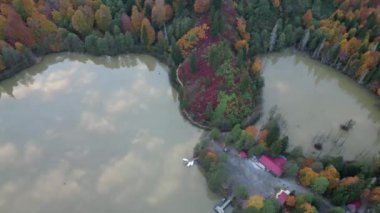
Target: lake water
<point>99,134</point>
<point>87,134</point>
<point>314,100</point>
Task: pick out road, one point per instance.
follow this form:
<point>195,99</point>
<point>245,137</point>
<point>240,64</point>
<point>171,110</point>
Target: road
<point>258,181</point>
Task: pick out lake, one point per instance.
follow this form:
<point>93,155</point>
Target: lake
<point>314,100</point>
<point>96,134</point>
<point>104,134</point>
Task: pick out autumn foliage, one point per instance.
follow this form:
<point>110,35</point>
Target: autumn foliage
<point>15,28</point>
<point>307,176</point>
<point>256,66</point>
<point>256,201</point>
<point>149,30</point>
<point>308,18</point>
<point>374,195</point>
<point>192,37</point>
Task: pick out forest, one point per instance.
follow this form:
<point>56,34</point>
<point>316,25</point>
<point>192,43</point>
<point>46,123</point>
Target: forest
<point>213,48</point>
<point>215,44</point>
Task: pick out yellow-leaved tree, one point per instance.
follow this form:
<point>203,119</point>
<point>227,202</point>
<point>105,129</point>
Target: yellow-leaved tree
<point>255,201</point>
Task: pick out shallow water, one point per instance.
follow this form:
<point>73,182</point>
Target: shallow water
<point>314,100</point>
<point>86,134</point>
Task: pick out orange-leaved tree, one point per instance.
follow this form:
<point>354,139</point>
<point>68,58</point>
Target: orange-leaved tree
<point>306,176</point>
<point>308,18</point>
<point>332,176</point>
<point>256,66</point>
<point>148,31</point>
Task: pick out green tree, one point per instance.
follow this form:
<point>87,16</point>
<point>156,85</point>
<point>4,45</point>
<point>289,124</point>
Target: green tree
<point>257,150</point>
<point>317,166</point>
<point>176,54</point>
<point>217,22</point>
<point>215,134</point>
<point>90,44</point>
<point>291,169</point>
<point>336,210</point>
<point>320,185</point>
<point>281,42</point>
<point>242,192</point>
<point>193,63</point>
<point>274,133</point>
<point>73,43</point>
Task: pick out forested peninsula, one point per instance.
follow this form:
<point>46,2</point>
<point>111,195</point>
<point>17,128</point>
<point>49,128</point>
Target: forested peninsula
<point>213,49</point>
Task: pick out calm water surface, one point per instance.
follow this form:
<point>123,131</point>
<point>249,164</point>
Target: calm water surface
<point>314,100</point>
<point>83,134</point>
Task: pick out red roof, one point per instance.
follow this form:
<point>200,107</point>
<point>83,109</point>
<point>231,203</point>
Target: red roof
<point>274,165</point>
<point>354,205</point>
<point>243,154</point>
<point>282,197</point>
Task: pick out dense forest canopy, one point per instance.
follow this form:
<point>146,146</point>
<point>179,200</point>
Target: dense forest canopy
<point>215,43</point>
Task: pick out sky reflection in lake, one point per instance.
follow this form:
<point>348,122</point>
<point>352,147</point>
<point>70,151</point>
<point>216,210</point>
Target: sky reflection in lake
<point>86,134</point>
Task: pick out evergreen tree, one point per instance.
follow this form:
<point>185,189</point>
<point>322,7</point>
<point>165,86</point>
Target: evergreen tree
<point>193,63</point>
<point>176,54</point>
<point>90,44</point>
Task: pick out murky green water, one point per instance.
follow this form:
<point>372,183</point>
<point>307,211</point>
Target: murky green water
<point>82,134</point>
<point>315,99</point>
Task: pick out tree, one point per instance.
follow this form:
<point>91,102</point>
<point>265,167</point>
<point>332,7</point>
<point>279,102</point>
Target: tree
<point>103,18</point>
<point>256,66</point>
<point>332,175</point>
<point>147,28</point>
<point>126,24</point>
<point>193,63</point>
<point>307,176</point>
<point>256,201</point>
<point>201,6</point>
<point>242,192</point>
<point>41,25</point>
<point>374,196</point>
<point>276,3</point>
<point>2,27</point>
<point>317,166</point>
<point>308,18</point>
<point>25,8</point>
<point>291,201</point>
<point>276,148</point>
<point>83,20</point>
<point>270,206</point>
<point>215,134</point>
<point>291,169</point>
<point>159,12</point>
<point>257,150</point>
<point>274,133</point>
<point>90,44</point>
<point>73,43</point>
<point>176,54</point>
<point>16,30</point>
<point>217,22</point>
<point>136,19</point>
<point>320,185</point>
<point>336,210</point>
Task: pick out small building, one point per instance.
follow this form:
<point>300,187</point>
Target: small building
<point>243,154</point>
<point>354,206</point>
<point>274,165</point>
<point>282,195</point>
